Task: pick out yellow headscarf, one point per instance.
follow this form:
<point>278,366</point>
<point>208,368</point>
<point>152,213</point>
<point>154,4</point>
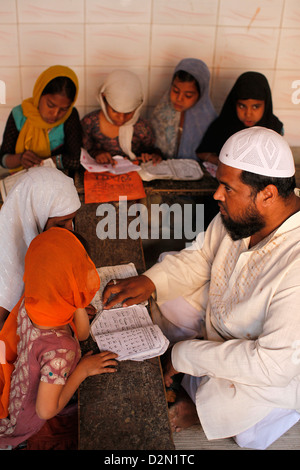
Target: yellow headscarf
<point>34,133</point>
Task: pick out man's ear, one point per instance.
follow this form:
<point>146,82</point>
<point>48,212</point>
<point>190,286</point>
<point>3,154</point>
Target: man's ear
<point>268,195</point>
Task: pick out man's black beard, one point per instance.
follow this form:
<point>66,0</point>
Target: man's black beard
<point>246,226</point>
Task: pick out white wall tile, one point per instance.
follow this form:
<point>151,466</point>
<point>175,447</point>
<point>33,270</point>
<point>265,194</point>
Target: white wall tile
<point>9,50</point>
<point>29,76</point>
<point>160,79</point>
<point>150,37</point>
<point>201,12</point>
<point>291,14</point>
<point>55,11</point>
<point>289,49</point>
<point>172,43</point>
<point>95,76</point>
<point>283,91</point>
<point>118,11</point>
<point>11,77</point>
<point>246,49</point>
<point>221,83</point>
<point>265,13</point>
<point>8,12</point>
<point>110,45</point>
<point>51,44</point>
<point>290,119</point>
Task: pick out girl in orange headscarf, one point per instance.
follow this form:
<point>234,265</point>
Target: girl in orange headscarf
<point>45,125</point>
<point>42,369</point>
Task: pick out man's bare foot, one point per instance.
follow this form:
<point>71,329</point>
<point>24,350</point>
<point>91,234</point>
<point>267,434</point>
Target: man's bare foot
<point>183,413</point>
<point>168,370</point>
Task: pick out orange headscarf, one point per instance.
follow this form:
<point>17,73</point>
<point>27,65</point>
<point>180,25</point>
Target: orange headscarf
<point>59,278</point>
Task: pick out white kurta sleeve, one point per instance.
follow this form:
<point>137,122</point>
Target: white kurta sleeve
<point>271,360</point>
<point>189,270</point>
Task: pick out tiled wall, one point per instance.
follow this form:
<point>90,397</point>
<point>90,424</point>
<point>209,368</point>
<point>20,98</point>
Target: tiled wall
<point>150,37</point>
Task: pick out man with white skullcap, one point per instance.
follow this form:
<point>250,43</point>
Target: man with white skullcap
<point>244,376</point>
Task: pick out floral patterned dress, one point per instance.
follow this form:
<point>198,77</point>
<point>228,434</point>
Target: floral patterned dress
<point>43,355</point>
<point>94,141</point>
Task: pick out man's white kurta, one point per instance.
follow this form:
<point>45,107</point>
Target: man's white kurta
<point>251,299</point>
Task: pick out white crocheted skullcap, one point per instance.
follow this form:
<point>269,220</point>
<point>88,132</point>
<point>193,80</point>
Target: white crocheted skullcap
<point>259,150</point>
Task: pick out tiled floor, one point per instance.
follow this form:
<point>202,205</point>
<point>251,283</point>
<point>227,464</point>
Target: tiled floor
<point>194,438</point>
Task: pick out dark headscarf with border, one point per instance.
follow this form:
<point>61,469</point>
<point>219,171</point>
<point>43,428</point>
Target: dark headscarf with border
<point>249,85</point>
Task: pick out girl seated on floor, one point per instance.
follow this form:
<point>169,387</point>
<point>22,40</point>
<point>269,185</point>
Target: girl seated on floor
<point>117,128</point>
<point>248,104</point>
<point>42,367</point>
<point>185,111</point>
<point>46,125</point>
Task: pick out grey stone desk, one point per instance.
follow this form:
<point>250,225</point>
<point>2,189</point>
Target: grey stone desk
<point>126,410</point>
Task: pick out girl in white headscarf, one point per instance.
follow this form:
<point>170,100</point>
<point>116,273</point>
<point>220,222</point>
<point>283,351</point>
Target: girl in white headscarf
<point>117,128</point>
<point>42,198</point>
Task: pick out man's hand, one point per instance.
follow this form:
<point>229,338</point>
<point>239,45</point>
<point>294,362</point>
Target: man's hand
<point>129,291</point>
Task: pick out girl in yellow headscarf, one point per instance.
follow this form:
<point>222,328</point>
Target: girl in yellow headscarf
<point>45,125</point>
<point>40,365</point>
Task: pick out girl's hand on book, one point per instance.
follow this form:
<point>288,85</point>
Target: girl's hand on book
<point>146,157</point>
<point>101,363</point>
<point>105,157</point>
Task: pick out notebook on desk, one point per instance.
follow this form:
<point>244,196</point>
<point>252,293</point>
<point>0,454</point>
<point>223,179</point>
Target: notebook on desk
<point>174,169</point>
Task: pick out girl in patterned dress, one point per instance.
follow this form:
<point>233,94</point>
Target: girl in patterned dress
<point>41,368</point>
<point>117,128</point>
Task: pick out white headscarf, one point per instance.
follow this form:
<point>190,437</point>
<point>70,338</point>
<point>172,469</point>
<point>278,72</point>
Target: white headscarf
<point>40,193</point>
<point>259,150</point>
<point>123,92</point>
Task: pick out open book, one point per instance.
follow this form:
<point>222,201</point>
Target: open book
<point>9,181</point>
<point>130,333</point>
<point>127,331</point>
<point>122,165</point>
<point>175,169</point>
